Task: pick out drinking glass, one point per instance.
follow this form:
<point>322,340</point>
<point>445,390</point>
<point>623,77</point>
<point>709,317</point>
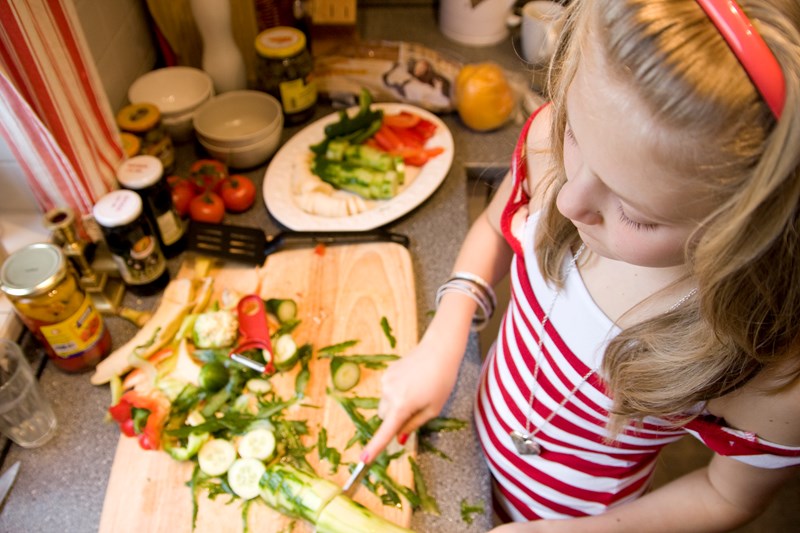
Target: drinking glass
<point>26,417</point>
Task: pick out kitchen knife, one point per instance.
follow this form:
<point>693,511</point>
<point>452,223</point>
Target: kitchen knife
<point>7,480</point>
<point>359,472</point>
<point>251,245</point>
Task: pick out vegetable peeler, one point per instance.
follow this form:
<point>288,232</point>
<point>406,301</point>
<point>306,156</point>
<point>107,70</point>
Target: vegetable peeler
<point>254,334</point>
<point>251,245</point>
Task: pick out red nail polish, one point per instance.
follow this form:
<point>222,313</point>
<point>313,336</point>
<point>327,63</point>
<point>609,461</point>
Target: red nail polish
<point>364,457</point>
<point>402,439</point>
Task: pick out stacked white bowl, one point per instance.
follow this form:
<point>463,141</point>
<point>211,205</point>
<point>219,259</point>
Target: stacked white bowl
<point>240,128</point>
<point>177,92</point>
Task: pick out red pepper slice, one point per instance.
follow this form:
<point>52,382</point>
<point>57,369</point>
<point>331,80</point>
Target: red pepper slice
<point>153,401</point>
<point>404,119</point>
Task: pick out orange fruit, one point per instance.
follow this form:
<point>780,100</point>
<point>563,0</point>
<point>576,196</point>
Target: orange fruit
<point>484,97</point>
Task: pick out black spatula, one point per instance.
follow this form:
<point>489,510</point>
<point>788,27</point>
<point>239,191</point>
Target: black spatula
<point>251,245</point>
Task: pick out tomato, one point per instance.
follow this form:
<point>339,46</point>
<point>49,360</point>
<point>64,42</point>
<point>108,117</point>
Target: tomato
<point>238,193</point>
<point>182,193</point>
<point>207,207</point>
<point>207,173</point>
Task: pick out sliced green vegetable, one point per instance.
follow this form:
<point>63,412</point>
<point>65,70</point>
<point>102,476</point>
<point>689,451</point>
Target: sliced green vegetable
<point>244,475</point>
<point>343,515</point>
<point>257,444</point>
<point>216,456</point>
<point>213,376</point>
<point>285,353</point>
<point>344,373</point>
<point>284,309</point>
<point>258,386</point>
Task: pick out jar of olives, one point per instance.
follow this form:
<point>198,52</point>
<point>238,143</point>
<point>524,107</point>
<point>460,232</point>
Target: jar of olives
<point>48,299</point>
<point>144,121</point>
<point>285,71</point>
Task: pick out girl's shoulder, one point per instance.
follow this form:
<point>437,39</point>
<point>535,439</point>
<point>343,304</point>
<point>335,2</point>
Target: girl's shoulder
<point>537,154</point>
<point>758,408</point>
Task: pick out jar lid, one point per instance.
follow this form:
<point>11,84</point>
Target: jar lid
<point>117,208</point>
<point>280,42</point>
<point>138,117</point>
<point>130,144</point>
<point>140,171</point>
<point>32,270</point>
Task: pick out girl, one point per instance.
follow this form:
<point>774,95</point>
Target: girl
<point>651,223</point>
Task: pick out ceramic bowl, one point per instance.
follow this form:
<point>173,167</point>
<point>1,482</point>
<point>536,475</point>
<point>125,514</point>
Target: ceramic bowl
<point>246,156</point>
<point>238,119</point>
<point>176,91</point>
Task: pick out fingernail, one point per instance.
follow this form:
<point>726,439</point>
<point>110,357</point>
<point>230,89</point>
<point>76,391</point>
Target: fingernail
<point>402,439</point>
<point>364,457</point>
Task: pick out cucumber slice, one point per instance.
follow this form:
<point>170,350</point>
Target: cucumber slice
<point>257,444</point>
<point>258,386</point>
<point>285,353</point>
<point>216,456</point>
<point>244,475</point>
<point>284,309</point>
<point>345,374</point>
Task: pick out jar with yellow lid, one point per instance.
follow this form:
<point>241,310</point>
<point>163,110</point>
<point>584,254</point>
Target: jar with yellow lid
<point>48,299</point>
<point>285,70</point>
<point>144,121</point>
<point>131,144</point>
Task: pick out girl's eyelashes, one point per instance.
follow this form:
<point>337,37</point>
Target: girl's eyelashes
<point>569,135</point>
<point>638,226</point>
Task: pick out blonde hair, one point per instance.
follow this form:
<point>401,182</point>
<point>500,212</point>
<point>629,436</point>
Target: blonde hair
<point>745,256</point>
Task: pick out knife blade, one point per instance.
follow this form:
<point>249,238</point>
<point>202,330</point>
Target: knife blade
<point>354,481</point>
<point>7,480</point>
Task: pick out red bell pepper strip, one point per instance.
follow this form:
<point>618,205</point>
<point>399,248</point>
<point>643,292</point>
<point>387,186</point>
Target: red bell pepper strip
<point>408,136</point>
<point>153,401</point>
<point>425,128</point>
<point>404,119</point>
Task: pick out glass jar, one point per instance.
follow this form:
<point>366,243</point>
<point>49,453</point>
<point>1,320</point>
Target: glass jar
<point>285,71</point>
<point>48,299</point>
<point>145,175</point>
<point>144,121</point>
<point>132,241</point>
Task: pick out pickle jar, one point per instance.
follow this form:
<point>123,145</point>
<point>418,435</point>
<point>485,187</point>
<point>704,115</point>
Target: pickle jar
<point>46,296</point>
<point>144,121</point>
<point>132,241</point>
<point>145,175</point>
<point>284,70</point>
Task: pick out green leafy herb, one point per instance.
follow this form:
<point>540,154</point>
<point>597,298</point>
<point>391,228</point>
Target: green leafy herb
<point>373,361</point>
<point>364,428</point>
<point>467,510</point>
<point>301,380</point>
<point>426,502</point>
<point>387,330</point>
<point>140,417</point>
<point>286,327</point>
<point>443,424</point>
<point>334,349</point>
<point>327,453</point>
<point>425,445</point>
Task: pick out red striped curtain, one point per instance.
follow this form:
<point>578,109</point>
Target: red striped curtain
<point>54,113</point>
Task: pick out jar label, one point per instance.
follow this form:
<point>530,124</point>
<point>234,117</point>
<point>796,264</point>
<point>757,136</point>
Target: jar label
<point>297,95</point>
<point>76,334</point>
<point>144,262</point>
<point>170,227</point>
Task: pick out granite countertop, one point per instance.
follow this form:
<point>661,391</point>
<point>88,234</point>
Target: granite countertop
<point>61,486</point>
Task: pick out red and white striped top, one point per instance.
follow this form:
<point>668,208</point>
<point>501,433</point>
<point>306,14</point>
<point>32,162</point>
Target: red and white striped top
<point>577,472</point>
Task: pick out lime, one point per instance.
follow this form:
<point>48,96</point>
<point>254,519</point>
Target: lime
<point>213,376</point>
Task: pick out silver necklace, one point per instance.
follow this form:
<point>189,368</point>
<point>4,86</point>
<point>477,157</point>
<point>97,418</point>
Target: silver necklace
<point>525,443</point>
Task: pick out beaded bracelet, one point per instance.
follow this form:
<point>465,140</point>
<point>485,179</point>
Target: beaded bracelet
<point>476,288</point>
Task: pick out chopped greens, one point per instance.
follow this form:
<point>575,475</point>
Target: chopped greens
<point>333,349</point>
<point>427,503</point>
<point>468,510</point>
<point>387,330</point>
<point>332,455</point>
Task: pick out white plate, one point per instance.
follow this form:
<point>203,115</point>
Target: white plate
<point>280,201</point>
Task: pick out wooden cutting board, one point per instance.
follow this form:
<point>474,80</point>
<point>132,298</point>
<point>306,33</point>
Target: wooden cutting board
<point>341,294</point>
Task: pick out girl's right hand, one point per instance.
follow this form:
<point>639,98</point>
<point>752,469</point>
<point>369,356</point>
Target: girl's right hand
<point>414,390</point>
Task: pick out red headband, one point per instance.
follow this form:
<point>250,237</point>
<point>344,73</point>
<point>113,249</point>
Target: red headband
<point>750,49</point>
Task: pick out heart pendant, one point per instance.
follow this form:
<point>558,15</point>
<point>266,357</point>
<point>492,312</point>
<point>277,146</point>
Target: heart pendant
<point>524,443</point>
